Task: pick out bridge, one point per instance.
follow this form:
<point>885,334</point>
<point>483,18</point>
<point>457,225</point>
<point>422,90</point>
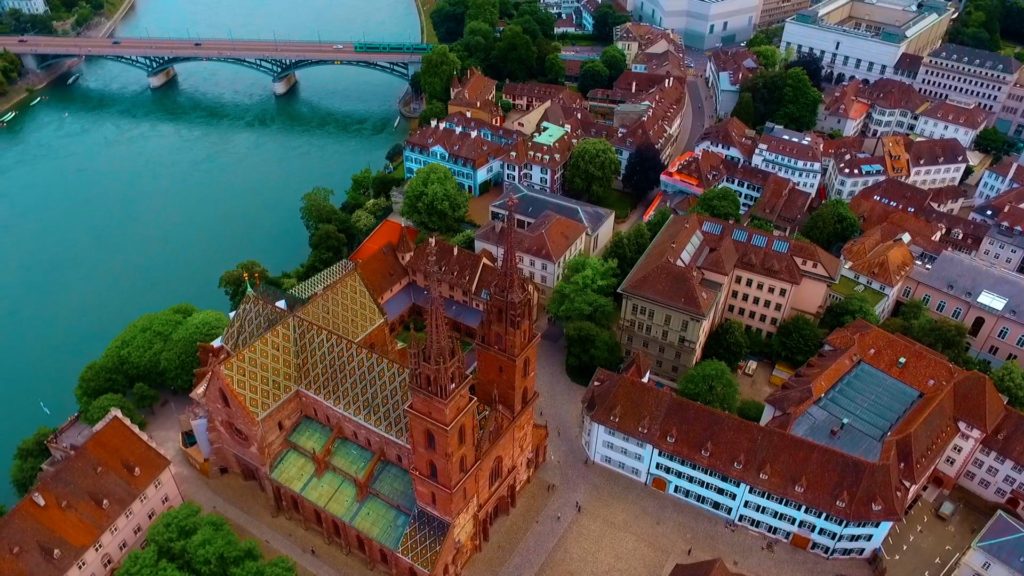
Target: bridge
<point>279,59</point>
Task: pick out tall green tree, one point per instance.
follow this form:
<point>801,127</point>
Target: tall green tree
<point>784,97</point>
<point>449,19</point>
<point>991,141</point>
<point>853,307</point>
<point>179,358</point>
<point>98,409</point>
<point>744,109</point>
<point>585,292</point>
<point>810,64</point>
<point>136,353</point>
<point>592,75</point>
<point>712,384</point>
<point>514,56</point>
<point>614,60</point>
<point>434,202</point>
<point>233,282</point>
<point>831,225</point>
<point>592,167</point>
<point>485,11</point>
<point>766,37</point>
<point>327,247</point>
<point>727,342</point>
<point>718,202</point>
<point>797,340</point>
<point>439,66</point>
<point>433,111</point>
<point>144,397</point>
<point>940,334</point>
<point>606,18</point>
<point>626,248</point>
<point>536,21</point>
<point>1009,380</point>
<point>657,221</point>
<point>768,57</point>
<point>589,347</point>
<point>28,458</point>
<point>183,540</point>
<point>554,70</point>
<point>476,47</point>
<point>643,170</point>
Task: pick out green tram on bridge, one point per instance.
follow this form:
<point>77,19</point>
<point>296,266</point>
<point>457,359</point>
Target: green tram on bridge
<point>392,47</point>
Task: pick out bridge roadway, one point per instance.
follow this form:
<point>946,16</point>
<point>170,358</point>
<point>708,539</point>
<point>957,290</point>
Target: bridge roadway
<point>157,56</point>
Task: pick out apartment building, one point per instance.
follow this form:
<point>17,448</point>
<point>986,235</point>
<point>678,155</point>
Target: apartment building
<point>529,95</point>
<point>874,265</point>
<point>531,204</point>
<point>865,38</point>
<point>699,270</point>
<point>816,473</point>
<point>996,549</point>
<point>637,38</point>
<point>474,96</point>
<point>983,297</point>
<point>691,174</point>
<point>851,172</point>
<point>702,24</point>
<point>782,204</point>
<point>726,70</point>
<point>774,12</point>
<point>539,161</point>
<point>842,111</point>
<point>1003,245</point>
<point>936,163</point>
<point>27,6</point>
<point>93,506</point>
<point>731,138</point>
<point>1010,117</point>
<point>475,161</point>
<point>945,119</point>
<point>795,155</point>
<point>543,248</point>
<point>999,178</point>
<point>895,106</point>
<point>967,76</point>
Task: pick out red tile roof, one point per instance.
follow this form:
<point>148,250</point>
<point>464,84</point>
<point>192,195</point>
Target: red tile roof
<point>535,90</point>
<point>783,203</point>
<point>714,567</point>
<point>893,95</point>
<point>879,257</point>
<point>387,233</point>
<point>475,91</point>
<point>807,152</point>
<point>937,152</point>
<point>1005,439</point>
<point>844,102</point>
<point>739,63</point>
<point>457,267</point>
<point>731,132</point>
<point>457,143</point>
<point>973,118</point>
<point>549,237</point>
<point>82,498</point>
<point>382,271</point>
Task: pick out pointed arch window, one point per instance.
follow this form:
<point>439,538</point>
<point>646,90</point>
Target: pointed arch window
<point>431,441</point>
<point>432,470</point>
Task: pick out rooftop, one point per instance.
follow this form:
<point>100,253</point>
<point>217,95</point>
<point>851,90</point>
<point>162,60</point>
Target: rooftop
<point>531,204</point>
<point>858,412</point>
<point>998,291</point>
<point>977,58</point>
<point>1003,540</point>
<point>549,134</point>
<point>848,287</point>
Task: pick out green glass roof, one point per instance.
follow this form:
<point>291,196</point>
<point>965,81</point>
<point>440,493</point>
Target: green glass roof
<point>381,522</point>
<point>549,134</point>
<point>394,484</point>
<point>310,435</point>
<point>343,502</point>
<point>320,490</point>
<point>293,469</point>
<point>350,458</point>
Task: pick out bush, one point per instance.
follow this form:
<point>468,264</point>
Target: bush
<point>750,410</point>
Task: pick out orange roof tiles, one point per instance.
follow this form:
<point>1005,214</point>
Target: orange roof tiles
<point>81,500</point>
<point>893,95</point>
<point>464,145</point>
<point>549,237</point>
<point>845,103</point>
<point>731,132</point>
<point>387,233</point>
<point>974,117</point>
<point>883,259</point>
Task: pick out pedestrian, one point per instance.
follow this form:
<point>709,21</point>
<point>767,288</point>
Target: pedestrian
<point>559,516</point>
<point>690,551</point>
<point>577,504</point>
<point>559,432</point>
<point>312,550</point>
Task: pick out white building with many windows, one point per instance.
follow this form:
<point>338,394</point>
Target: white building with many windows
<point>795,155</point>
<point>967,76</point>
<point>28,6</point>
<point>702,24</point>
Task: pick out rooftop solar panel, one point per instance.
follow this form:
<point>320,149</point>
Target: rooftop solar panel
<point>759,241</point>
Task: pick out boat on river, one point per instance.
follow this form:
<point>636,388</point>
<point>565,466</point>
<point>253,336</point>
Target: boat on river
<point>7,117</point>
<point>36,101</point>
<point>73,79</point>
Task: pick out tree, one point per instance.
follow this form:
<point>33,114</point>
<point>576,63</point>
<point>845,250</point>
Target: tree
<point>136,353</point>
<point>592,75</point>
<point>784,97</point>
<point>535,21</point>
<point>606,18</point>
<point>506,106</point>
<point>750,410</point>
<point>766,37</point>
<point>853,307</point>
<point>657,221</point>
<point>144,397</point>
<point>395,153</point>
<point>464,239</point>
<point>317,208</point>
<point>585,292</point>
<point>483,11</point>
<point>727,342</point>
<point>433,111</point>
<point>626,248</point>
<point>992,141</point>
<point>1009,380</point>
<point>28,458</point>
<point>449,19</point>
<point>744,109</point>
<point>589,347</point>
<point>474,50</point>
<point>768,57</point>
<point>439,66</point>
<point>718,202</point>
<point>234,283</point>
<point>940,334</point>
<point>643,170</point>
<point>614,61</point>
<point>434,202</point>
<point>514,55</point>
<point>797,340</point>
<point>831,225</point>
<point>712,384</point>
<point>327,247</point>
<point>99,408</point>
<point>593,165</point>
<point>810,64</point>
<point>183,540</point>
<point>416,83</point>
<point>10,66</point>
<point>554,71</point>
<point>180,357</point>
<point>760,224</point>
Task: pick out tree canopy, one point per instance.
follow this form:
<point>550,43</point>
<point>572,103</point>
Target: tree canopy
<point>233,282</point>
<point>853,307</point>
<point>434,202</point>
<point>769,57</point>
<point>643,170</point>
<point>179,360</point>
<point>439,66</point>
<point>626,248</point>
<point>810,64</point>
<point>593,75</point>
<point>514,56</point>
<point>589,347</point>
<point>99,408</point>
<point>718,202</point>
<point>991,141</point>
<point>657,221</point>
<point>593,165</point>
<point>797,340</point>
<point>712,384</point>
<point>585,291</point>
<point>750,410</point>
<point>183,540</point>
<point>449,19</point>
<point>784,97</point>
<point>1009,380</point>
<point>28,457</point>
<point>614,60</point>
<point>940,334</point>
<point>766,37</point>
<point>727,342</point>
<point>831,225</point>
<point>606,18</point>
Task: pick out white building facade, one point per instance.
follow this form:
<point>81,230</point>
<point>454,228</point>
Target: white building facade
<point>28,6</point>
<point>702,24</point>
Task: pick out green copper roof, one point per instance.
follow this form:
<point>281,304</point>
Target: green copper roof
<point>549,134</point>
<point>310,435</point>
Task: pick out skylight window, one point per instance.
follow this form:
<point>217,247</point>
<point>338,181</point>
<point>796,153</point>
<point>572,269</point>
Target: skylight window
<point>992,300</point>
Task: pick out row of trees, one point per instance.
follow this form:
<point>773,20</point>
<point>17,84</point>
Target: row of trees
<point>10,70</point>
<point>983,24</point>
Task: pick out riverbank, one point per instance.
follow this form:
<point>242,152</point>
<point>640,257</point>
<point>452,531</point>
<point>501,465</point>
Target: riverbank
<point>424,8</point>
<point>99,28</point>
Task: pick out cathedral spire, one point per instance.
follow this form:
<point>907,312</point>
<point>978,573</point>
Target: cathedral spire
<point>437,361</point>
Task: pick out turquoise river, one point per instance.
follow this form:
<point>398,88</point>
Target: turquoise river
<point>116,200</point>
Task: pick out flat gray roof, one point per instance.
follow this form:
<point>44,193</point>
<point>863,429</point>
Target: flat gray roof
<point>858,412</point>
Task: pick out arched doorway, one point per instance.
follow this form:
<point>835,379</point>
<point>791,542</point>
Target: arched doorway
<point>976,326</point>
<point>659,484</point>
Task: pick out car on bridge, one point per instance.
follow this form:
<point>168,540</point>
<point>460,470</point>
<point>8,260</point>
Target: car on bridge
<point>116,42</point>
<point>338,46</point>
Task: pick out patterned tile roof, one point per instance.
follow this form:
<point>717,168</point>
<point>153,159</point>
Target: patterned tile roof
<point>423,539</point>
<point>254,317</point>
<point>323,279</point>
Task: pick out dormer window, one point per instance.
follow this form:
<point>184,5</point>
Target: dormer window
<point>841,503</point>
<point>763,475</point>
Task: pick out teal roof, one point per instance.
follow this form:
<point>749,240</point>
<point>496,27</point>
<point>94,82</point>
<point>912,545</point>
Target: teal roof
<point>549,134</point>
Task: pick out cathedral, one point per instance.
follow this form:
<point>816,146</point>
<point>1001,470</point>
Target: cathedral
<point>405,454</point>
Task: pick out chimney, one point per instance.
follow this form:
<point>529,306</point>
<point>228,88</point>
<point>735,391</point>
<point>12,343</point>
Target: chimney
<point>38,499</point>
<point>901,362</point>
<point>433,122</point>
<point>633,87</point>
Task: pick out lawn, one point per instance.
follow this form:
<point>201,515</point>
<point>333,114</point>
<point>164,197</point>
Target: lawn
<point>620,202</point>
<point>425,7</point>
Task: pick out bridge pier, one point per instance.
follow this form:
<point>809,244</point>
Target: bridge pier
<point>284,84</point>
<point>162,77</point>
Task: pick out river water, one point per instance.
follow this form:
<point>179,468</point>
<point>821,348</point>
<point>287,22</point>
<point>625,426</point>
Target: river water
<point>116,200</point>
